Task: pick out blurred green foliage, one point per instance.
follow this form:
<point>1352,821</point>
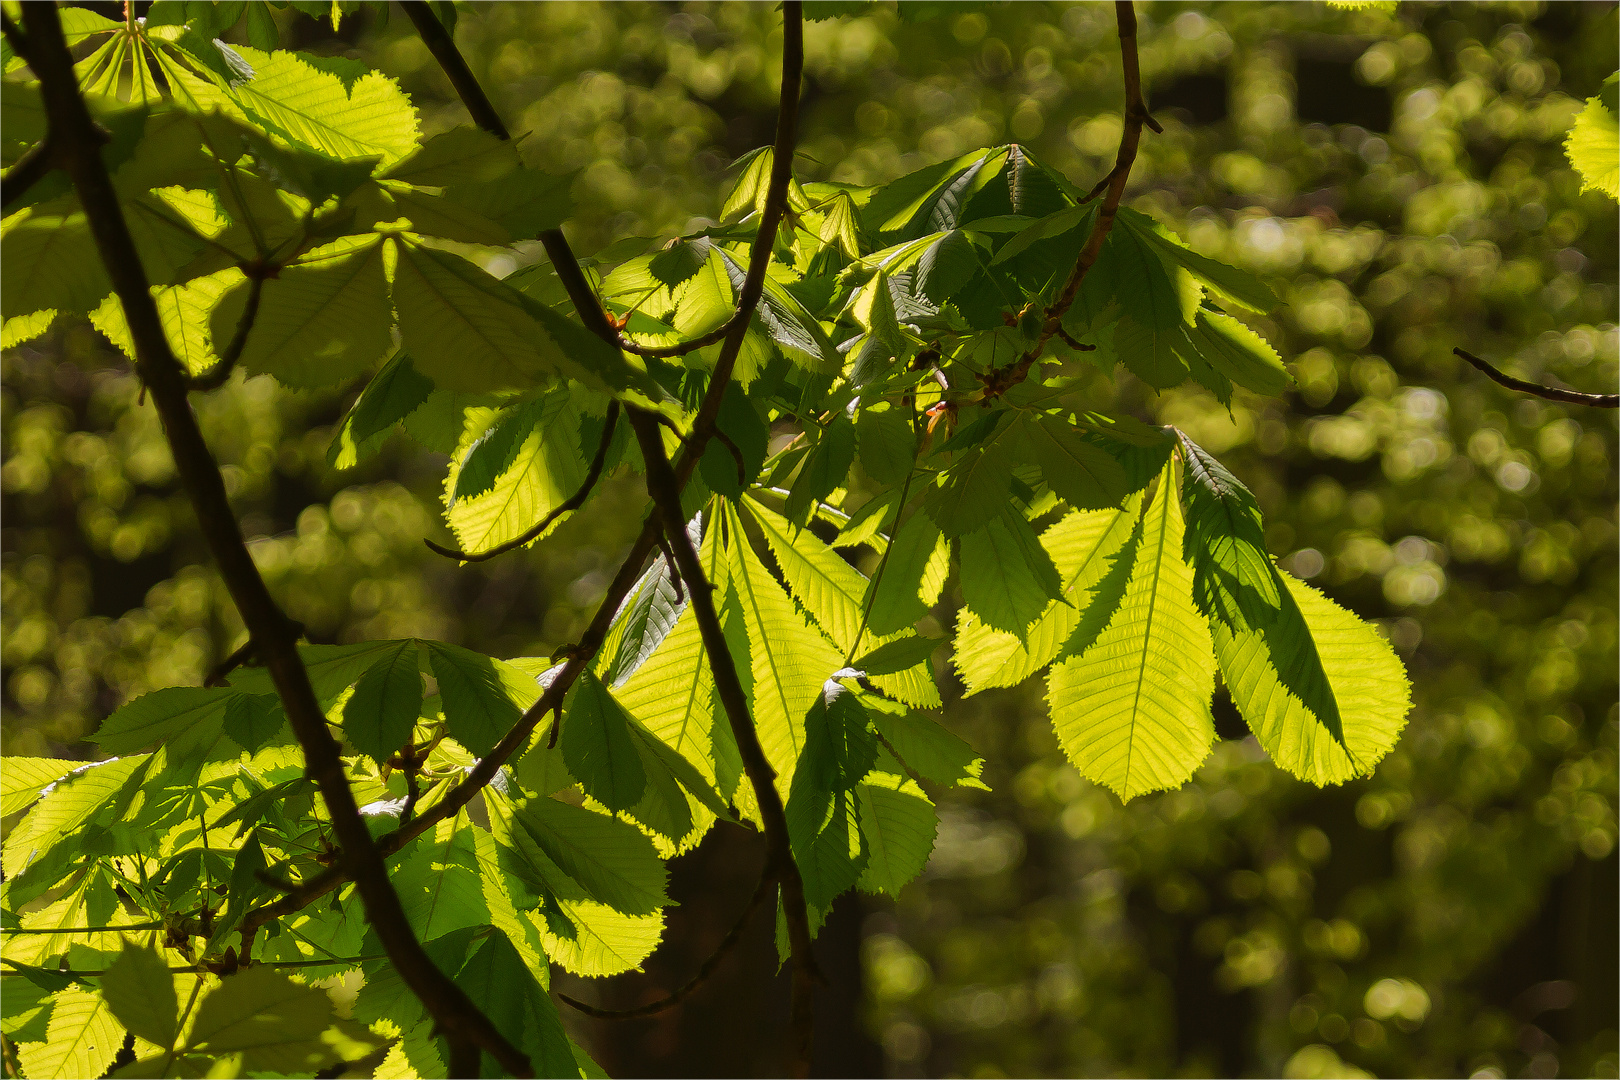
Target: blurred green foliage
<point>1399,175</point>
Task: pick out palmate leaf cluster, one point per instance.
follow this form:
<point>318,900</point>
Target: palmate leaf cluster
<point>875,448</point>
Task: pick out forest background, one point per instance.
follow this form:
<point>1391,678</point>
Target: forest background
<point>1398,175</point>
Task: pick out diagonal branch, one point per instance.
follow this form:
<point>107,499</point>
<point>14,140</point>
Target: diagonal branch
<point>998,381</point>
<point>702,430</point>
<point>74,132</point>
<point>1551,393</point>
<point>665,490</point>
<point>443,48</point>
<point>692,985</point>
<point>573,502</point>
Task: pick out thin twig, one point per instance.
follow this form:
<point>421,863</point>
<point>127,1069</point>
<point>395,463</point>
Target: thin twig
<point>666,494</point>
<point>998,381</point>
<point>223,669</point>
<point>736,455</point>
<point>29,170</point>
<point>215,377</point>
<point>1551,393</point>
<point>710,966</point>
<point>75,133</point>
<point>568,505</point>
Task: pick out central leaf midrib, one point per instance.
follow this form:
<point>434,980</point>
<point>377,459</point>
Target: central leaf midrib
<point>1147,633</point>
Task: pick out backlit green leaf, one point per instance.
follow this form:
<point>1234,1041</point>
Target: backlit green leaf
<point>1368,682</point>
<point>598,747</point>
<point>1132,710</point>
<point>381,713</point>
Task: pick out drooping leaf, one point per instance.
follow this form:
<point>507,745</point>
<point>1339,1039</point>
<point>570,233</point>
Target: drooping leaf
<point>1233,579</point>
<point>898,823</point>
<point>81,1039</point>
<point>789,660</point>
<point>274,1023</point>
<point>1157,295</point>
<point>887,443</point>
<point>608,861</point>
<point>1132,709</point>
<point>154,717</point>
<point>469,332</point>
<point>321,321</point>
<point>478,703</point>
<point>51,261</point>
<point>526,465</point>
<point>381,713</point>
<point>671,692</point>
<point>924,747</point>
<point>898,655</point>
<point>1153,354</point>
<point>1238,353</point>
<point>823,818</point>
<point>498,982</point>
<point>1082,473</point>
<point>63,808</point>
<point>1233,285</point>
<point>253,721</point>
<point>978,482</point>
<point>140,991</point>
<point>896,595</point>
<point>393,394</point>
<point>438,880</point>
<point>650,614</point>
<point>185,312</point>
<point>332,669</point>
<point>1007,577</point>
<point>748,433</point>
<point>1368,685</point>
<point>832,591</point>
<point>598,747</point>
<point>824,469</point>
<point>1084,547</point>
<point>1060,223</point>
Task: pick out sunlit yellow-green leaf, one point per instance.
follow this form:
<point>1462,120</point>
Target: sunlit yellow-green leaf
<point>1368,680</point>
<point>1132,710</point>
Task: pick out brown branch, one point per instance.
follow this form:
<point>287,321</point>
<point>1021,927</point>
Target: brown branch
<point>998,381</point>
<point>215,377</point>
<point>443,48</point>
<point>30,169</point>
<point>1551,393</point>
<point>75,133</point>
<point>710,966</point>
<point>665,490</point>
<point>573,502</point>
<point>703,428</point>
